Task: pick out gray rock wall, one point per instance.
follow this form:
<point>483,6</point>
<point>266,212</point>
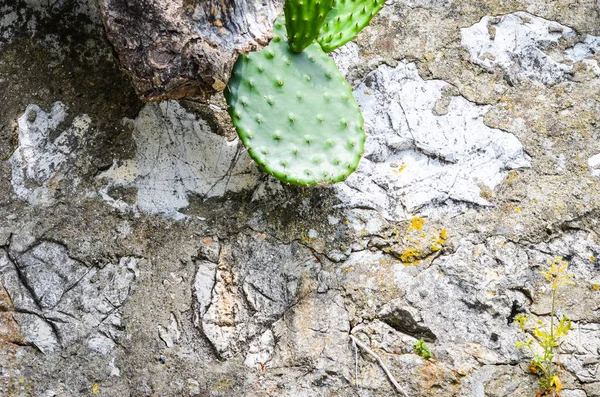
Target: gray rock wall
<point>142,253</point>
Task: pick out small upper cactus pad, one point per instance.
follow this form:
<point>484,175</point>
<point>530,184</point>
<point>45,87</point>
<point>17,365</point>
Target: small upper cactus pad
<point>345,21</point>
<point>303,20</point>
<point>295,113</point>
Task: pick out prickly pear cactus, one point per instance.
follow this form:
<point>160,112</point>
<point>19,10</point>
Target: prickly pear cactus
<point>345,21</point>
<point>295,113</point>
<point>303,20</point>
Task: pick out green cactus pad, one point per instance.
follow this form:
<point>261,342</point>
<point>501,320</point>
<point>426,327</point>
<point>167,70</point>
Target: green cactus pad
<point>303,20</point>
<point>345,21</point>
<point>295,113</point>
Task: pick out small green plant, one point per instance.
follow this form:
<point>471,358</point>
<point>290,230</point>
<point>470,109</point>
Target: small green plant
<point>422,349</point>
<point>291,106</point>
<point>548,340</point>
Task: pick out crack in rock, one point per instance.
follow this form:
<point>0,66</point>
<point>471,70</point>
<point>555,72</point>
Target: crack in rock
<point>406,320</point>
<point>255,282</point>
<point>59,301</point>
<point>171,333</point>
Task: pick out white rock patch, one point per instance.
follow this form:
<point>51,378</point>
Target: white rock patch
<point>40,160</point>
<point>170,334</point>
<point>177,155</point>
<point>584,50</point>
<point>416,160</point>
<point>519,43</point>
<point>594,164</point>
<point>260,350</point>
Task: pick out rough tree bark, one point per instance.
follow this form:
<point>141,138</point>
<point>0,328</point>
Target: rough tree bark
<point>175,49</point>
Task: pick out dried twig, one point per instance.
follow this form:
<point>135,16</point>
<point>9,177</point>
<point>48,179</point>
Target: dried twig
<point>355,363</point>
<point>381,363</point>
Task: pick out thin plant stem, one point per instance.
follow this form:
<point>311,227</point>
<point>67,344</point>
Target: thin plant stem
<point>549,364</point>
<point>381,363</point>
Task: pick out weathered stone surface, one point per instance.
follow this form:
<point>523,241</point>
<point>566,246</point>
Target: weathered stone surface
<point>59,301</point>
<point>250,287</point>
<point>499,380</point>
<point>415,158</point>
<point>594,164</point>
<point>145,255</point>
<point>313,339</point>
<point>521,44</point>
<point>177,156</point>
<point>42,158</point>
<point>179,49</point>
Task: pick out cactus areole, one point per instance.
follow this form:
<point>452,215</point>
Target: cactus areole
<point>295,113</point>
<point>345,21</point>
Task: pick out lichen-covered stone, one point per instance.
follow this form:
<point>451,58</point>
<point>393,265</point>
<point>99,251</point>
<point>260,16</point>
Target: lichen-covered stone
<point>253,287</point>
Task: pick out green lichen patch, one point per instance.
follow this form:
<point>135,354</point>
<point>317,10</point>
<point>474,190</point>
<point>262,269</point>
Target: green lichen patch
<point>296,113</point>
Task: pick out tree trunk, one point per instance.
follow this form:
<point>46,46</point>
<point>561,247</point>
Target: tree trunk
<point>175,49</point>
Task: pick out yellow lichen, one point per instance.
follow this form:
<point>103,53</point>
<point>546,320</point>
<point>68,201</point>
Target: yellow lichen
<point>410,256</point>
<point>399,170</point>
<point>95,388</point>
<point>485,194</point>
<point>421,244</point>
<point>444,234</point>
<point>416,223</point>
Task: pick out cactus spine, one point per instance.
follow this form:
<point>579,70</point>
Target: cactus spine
<point>345,21</point>
<point>303,20</point>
